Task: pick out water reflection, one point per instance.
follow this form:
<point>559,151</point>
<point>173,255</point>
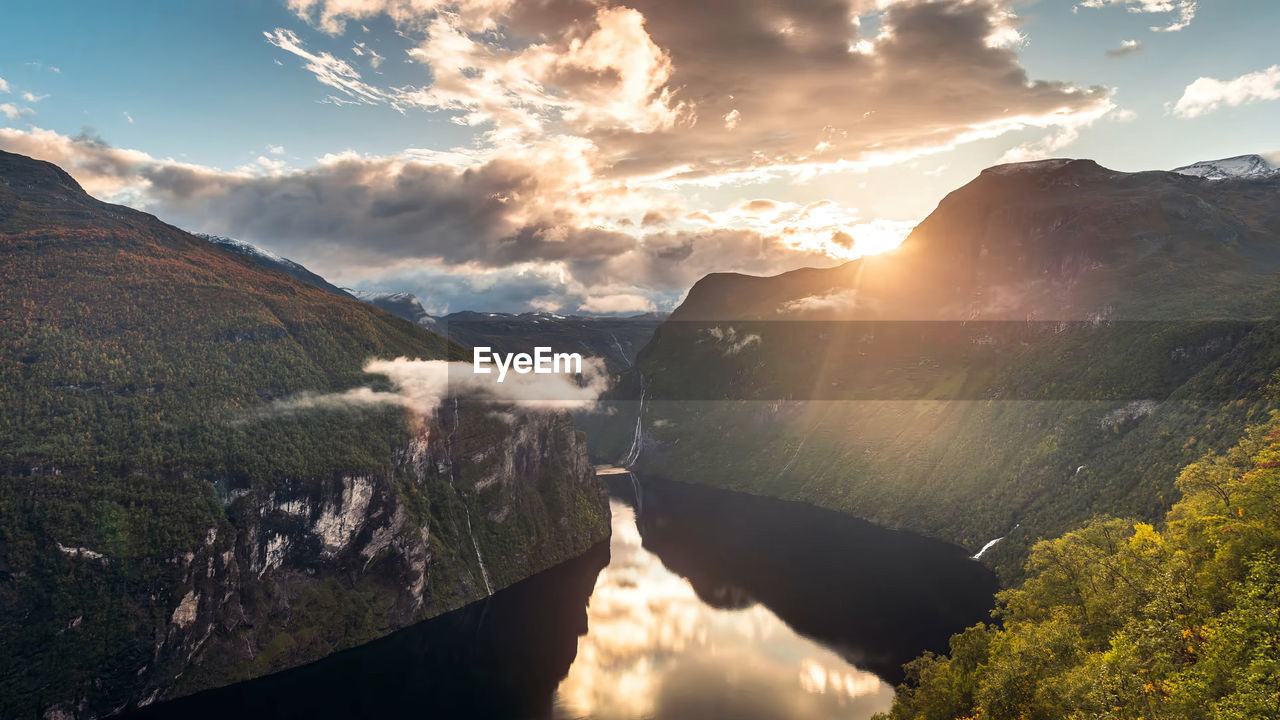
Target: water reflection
<point>654,648</point>
<point>704,604</point>
<point>877,596</point>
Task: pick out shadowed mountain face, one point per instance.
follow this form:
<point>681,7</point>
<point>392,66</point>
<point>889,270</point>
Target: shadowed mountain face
<point>271,261</point>
<point>172,520</point>
<point>878,597</point>
<point>499,658</point>
<point>1053,341</point>
<point>1049,240</point>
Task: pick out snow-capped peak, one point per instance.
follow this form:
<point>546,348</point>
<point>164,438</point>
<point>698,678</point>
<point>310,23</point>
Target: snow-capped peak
<point>1249,167</point>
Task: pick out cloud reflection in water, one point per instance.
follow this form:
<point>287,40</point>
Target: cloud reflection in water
<point>654,649</point>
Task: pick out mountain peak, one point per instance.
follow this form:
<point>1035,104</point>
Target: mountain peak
<point>1070,165</point>
<point>1249,167</point>
<point>29,178</point>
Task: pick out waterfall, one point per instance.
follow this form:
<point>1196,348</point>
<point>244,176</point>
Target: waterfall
<point>635,490</point>
<point>637,440</point>
<point>621,353</point>
<point>985,548</point>
<point>484,571</point>
<point>988,546</point>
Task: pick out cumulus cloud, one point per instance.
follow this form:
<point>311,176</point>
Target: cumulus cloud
<point>1207,94</point>
<point>423,385</point>
<point>620,303</point>
<point>1126,47</point>
<point>635,79</point>
<point>4,85</point>
<point>1182,11</point>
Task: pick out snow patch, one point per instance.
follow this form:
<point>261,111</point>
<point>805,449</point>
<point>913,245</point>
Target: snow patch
<point>1246,167</point>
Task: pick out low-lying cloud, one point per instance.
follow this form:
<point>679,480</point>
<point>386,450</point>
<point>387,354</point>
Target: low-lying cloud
<point>422,386</point>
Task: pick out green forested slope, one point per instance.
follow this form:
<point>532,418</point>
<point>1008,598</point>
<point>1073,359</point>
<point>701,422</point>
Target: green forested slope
<point>1120,619</point>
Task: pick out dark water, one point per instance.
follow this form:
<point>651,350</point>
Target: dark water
<point>704,604</point>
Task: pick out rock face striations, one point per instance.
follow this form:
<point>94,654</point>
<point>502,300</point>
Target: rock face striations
<point>1054,341</point>
<point>180,509</point>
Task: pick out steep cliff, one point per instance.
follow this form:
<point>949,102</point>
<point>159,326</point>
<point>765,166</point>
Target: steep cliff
<point>177,511</point>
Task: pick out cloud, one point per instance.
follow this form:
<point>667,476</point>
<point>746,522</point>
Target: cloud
<point>1127,47</point>
<point>1184,11</point>
<point>729,340</point>
<point>1207,94</point>
<point>423,385</point>
<point>1067,133</point>
<point>634,80</point>
<point>620,303</point>
<point>11,111</point>
<point>362,50</point>
<point>834,302</point>
<point>128,118</point>
<point>329,70</point>
<point>4,85</point>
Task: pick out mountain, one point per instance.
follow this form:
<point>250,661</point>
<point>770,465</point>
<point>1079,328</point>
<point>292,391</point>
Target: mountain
<point>1247,167</point>
<point>185,498</point>
<point>400,304</point>
<point>1054,341</point>
<point>272,261</point>
<point>616,340</point>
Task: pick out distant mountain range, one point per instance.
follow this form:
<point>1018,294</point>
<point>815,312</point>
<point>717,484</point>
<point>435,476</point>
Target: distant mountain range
<point>1054,341</point>
<point>616,340</point>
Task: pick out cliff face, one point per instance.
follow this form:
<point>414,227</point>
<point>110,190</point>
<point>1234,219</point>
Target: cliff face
<point>169,522</point>
<point>307,568</point>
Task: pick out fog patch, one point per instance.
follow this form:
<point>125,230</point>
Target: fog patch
<point>730,341</point>
<point>423,385</point>
<point>835,301</point>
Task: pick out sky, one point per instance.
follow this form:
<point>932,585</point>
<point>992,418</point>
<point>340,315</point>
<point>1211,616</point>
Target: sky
<point>597,156</point>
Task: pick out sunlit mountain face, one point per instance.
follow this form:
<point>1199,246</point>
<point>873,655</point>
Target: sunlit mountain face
<point>600,157</point>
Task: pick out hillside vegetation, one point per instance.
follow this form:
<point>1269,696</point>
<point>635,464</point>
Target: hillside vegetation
<point>1122,620</point>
